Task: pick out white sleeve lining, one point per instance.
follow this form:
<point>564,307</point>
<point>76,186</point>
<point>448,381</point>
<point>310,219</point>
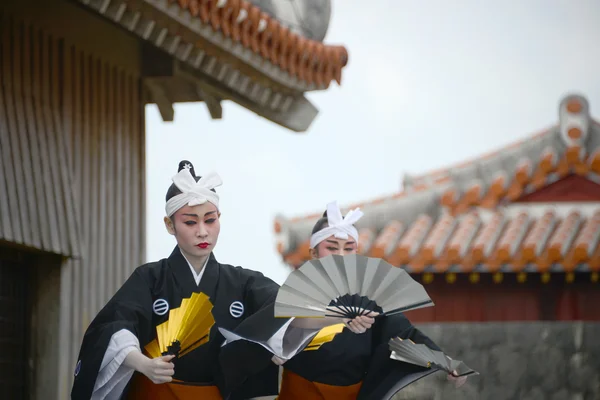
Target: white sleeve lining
<point>113,375</point>
<point>285,343</point>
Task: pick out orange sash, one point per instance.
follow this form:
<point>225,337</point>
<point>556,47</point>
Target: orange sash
<point>142,388</point>
<point>295,387</point>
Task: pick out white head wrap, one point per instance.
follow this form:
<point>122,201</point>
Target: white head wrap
<point>340,227</point>
<point>193,193</point>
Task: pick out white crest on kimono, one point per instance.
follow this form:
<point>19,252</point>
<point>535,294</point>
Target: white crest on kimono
<point>78,368</point>
<point>236,309</point>
<point>160,307</point>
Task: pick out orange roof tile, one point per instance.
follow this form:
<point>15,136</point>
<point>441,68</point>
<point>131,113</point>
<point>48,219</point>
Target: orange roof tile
<point>539,236</point>
<point>308,60</point>
<point>463,220</point>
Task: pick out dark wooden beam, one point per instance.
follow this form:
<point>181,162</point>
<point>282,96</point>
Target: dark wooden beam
<point>212,103</point>
<point>155,61</point>
<point>298,116</point>
<point>160,97</point>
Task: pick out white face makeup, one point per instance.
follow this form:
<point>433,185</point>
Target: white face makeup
<point>196,229</point>
<point>332,245</point>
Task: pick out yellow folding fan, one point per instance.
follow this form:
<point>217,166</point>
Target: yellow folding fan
<point>187,328</point>
<point>325,335</point>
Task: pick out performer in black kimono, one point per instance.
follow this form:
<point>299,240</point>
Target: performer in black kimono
<point>113,361</point>
<point>338,364</point>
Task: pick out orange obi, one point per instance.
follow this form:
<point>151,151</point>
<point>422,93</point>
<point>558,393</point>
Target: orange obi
<point>142,388</point>
<point>295,387</point>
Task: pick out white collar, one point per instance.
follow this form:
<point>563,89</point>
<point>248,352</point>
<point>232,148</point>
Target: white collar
<point>197,276</point>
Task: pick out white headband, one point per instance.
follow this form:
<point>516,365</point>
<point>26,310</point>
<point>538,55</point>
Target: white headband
<point>340,227</point>
<point>193,193</point>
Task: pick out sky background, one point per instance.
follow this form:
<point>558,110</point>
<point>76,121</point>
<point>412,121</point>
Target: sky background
<point>428,84</point>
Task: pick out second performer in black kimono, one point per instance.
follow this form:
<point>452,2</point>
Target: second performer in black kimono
<point>113,362</point>
<point>338,364</point>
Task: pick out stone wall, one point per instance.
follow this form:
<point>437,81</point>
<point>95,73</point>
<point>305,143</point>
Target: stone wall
<point>529,361</point>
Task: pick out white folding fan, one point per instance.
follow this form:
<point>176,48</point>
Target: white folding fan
<point>419,354</point>
<point>348,286</point>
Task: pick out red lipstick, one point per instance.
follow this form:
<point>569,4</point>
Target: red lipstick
<point>203,245</point>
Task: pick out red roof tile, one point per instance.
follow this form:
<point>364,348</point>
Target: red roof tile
<point>308,60</point>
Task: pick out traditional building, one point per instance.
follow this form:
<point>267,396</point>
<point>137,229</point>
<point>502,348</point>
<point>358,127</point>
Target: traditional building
<point>75,77</point>
<point>512,235</point>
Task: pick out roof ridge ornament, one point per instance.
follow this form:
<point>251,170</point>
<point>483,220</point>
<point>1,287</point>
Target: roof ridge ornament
<point>574,120</point>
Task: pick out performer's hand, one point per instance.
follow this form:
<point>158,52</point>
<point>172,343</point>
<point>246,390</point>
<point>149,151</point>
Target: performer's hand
<point>278,361</point>
<point>159,369</point>
<point>362,323</point>
<point>457,380</point>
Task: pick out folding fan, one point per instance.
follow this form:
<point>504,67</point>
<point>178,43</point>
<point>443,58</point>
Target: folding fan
<point>419,354</point>
<point>348,286</point>
<point>186,329</point>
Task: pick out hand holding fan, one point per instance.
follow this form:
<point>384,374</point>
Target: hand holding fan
<point>407,351</point>
<point>187,328</point>
<point>347,287</point>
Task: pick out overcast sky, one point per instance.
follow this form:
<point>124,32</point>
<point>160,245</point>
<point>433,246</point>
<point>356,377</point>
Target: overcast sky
<point>428,84</point>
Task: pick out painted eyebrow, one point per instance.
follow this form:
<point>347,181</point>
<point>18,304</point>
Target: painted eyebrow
<point>196,215</point>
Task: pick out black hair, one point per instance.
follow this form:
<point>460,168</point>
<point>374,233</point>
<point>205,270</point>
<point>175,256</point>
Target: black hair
<point>321,223</point>
<point>174,190</point>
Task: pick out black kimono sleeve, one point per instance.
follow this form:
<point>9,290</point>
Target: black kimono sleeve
<point>254,373</point>
<point>385,376</point>
<point>131,309</point>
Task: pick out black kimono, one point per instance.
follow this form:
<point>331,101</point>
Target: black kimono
<point>356,366</point>
<point>232,291</point>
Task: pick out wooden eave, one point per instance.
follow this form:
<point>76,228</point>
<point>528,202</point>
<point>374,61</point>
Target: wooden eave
<point>220,66</point>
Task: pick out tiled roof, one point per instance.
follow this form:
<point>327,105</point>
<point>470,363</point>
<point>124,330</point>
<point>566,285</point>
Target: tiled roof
<point>465,218</point>
<point>308,60</point>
